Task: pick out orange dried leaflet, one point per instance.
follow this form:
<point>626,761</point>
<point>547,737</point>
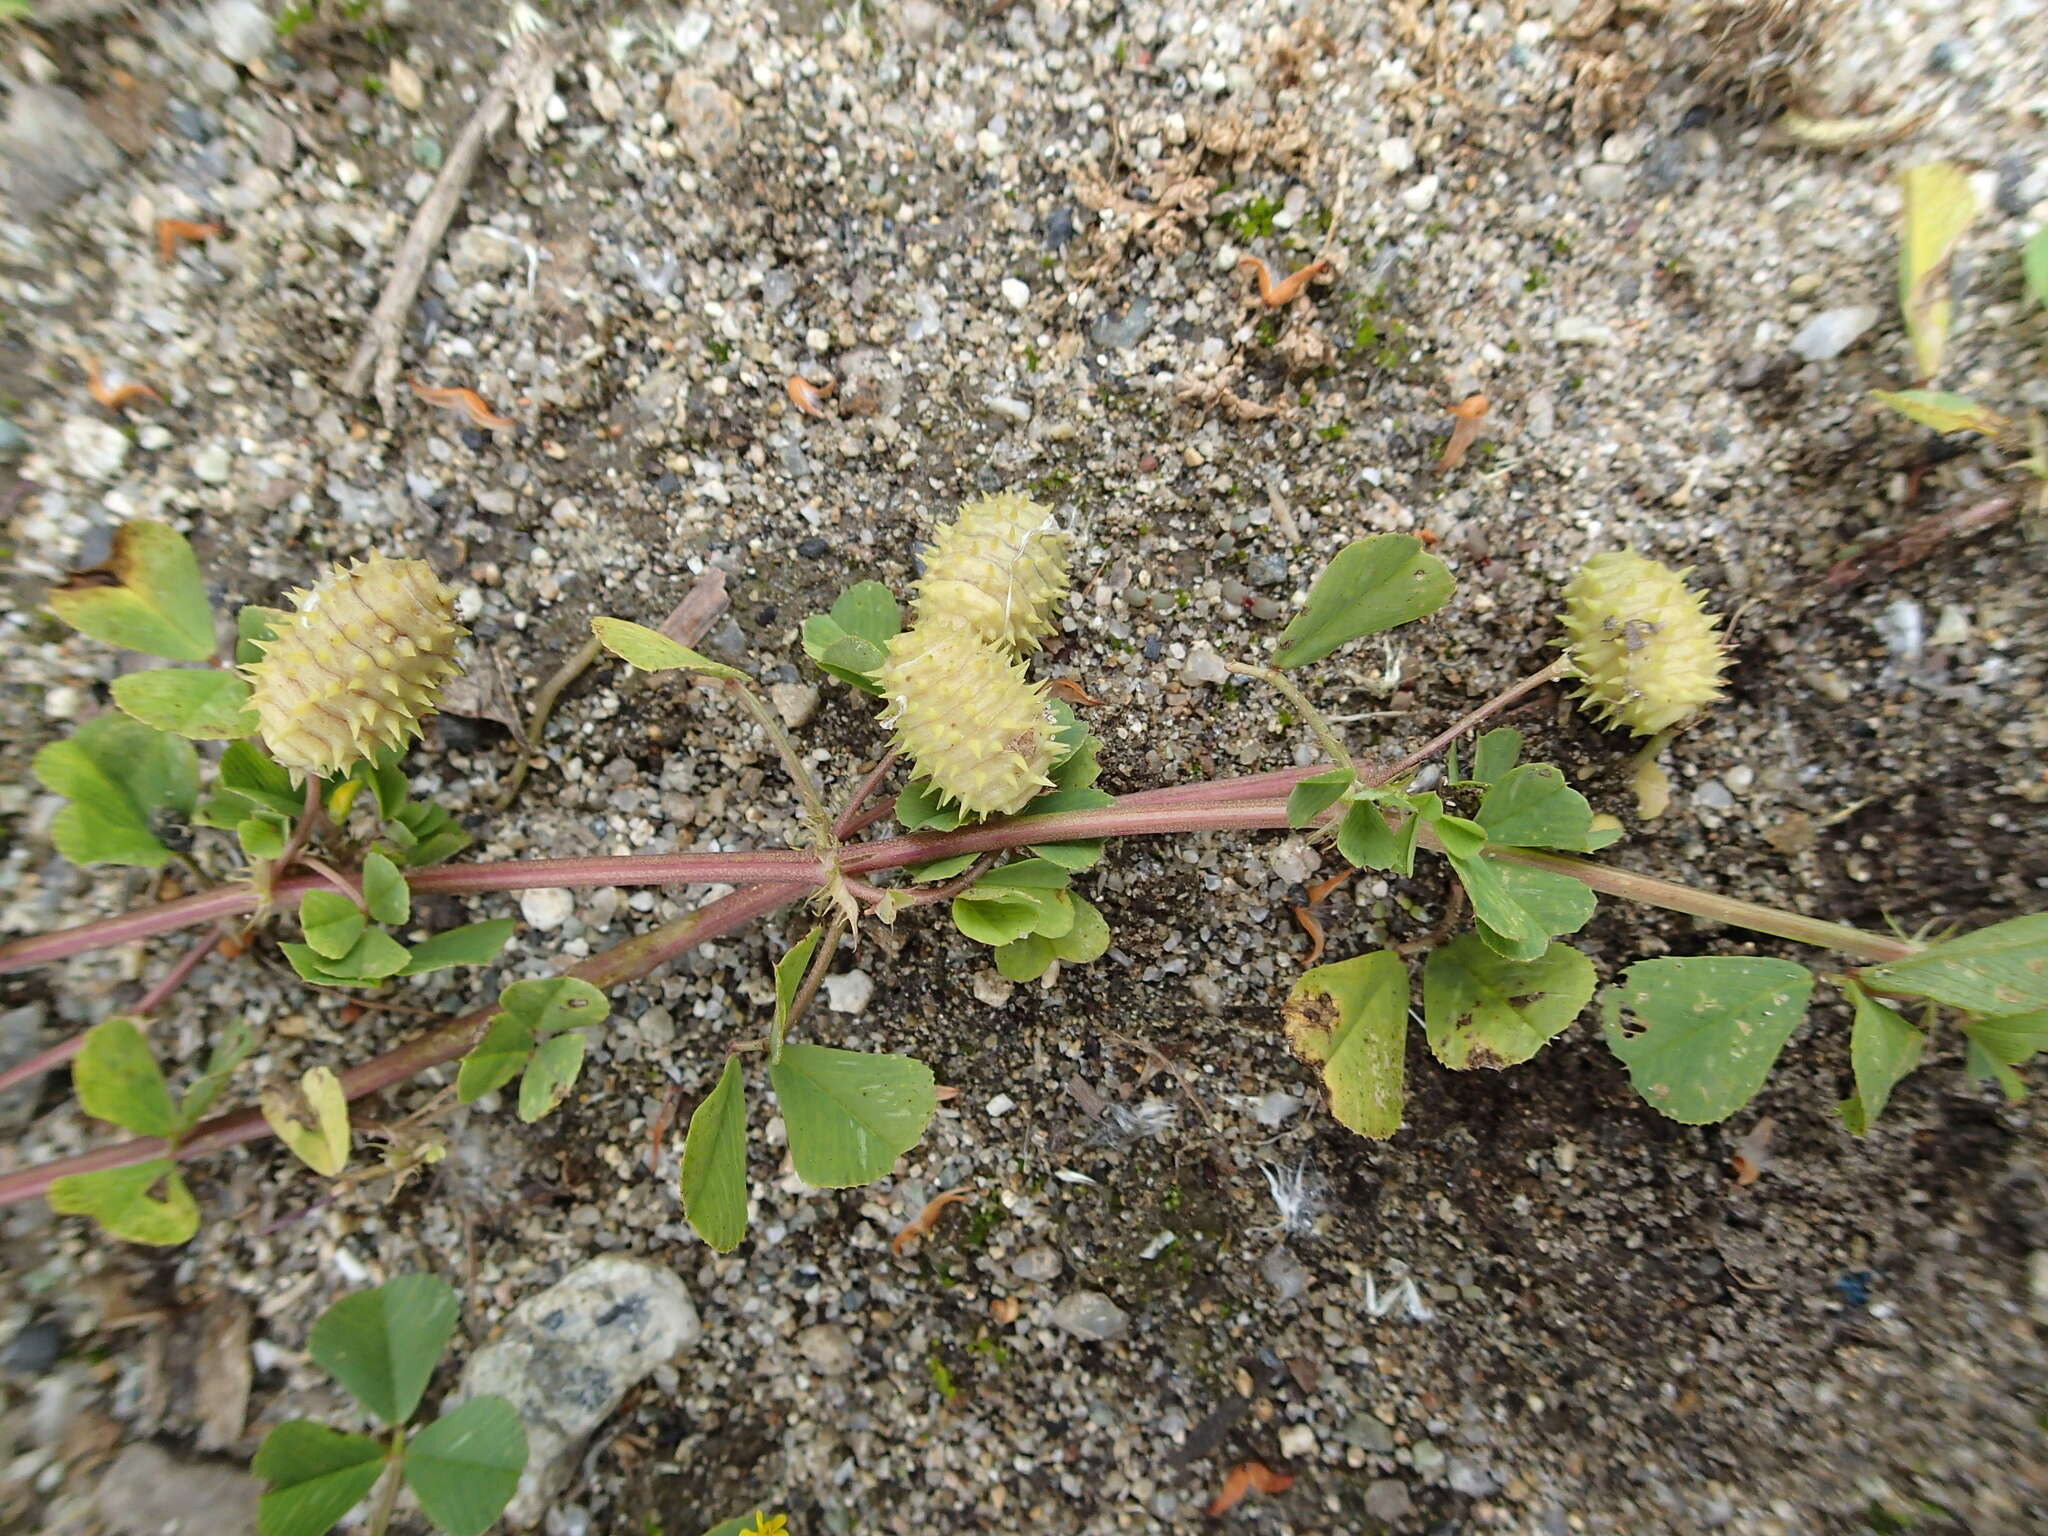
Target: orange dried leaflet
<point>1469,412</point>
<point>1066,688</point>
<point>466,402</point>
<point>928,1218</point>
<point>115,397</point>
<point>171,233</point>
<point>806,396</point>
<point>1311,925</point>
<point>1242,1479</point>
<point>1310,916</point>
<point>1275,294</point>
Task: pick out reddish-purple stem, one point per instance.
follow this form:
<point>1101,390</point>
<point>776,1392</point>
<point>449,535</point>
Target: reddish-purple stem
<point>628,961</point>
<point>56,1055</point>
<point>767,867</point>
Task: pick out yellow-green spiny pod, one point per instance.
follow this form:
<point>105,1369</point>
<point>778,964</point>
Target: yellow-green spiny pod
<point>357,667</point>
<point>1000,568</point>
<point>968,717</point>
<point>1641,642</point>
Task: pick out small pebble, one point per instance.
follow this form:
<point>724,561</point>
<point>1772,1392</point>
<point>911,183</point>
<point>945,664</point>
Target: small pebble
<point>1284,1272</point>
<point>1604,183</point>
<point>828,1348</point>
<point>1387,1499</point>
<point>849,992</point>
<point>213,464</point>
<point>93,450</point>
<point>794,702</point>
<point>1832,332</point>
<point>407,89</point>
<point>242,30</point>
<point>1037,1265</point>
<point>1091,1315</point>
<point>1016,293</point>
<point>1204,666</point>
<point>547,909</point>
<point>1298,1442</point>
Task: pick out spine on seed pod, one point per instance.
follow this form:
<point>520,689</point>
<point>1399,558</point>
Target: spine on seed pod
<point>357,667</point>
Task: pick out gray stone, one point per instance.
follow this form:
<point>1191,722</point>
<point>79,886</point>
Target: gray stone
<point>1284,1272</point>
<point>1114,332</point>
<point>1427,1457</point>
<point>1204,666</point>
<point>1387,1499</point>
<point>242,30</point>
<point>1038,1264</point>
<point>1267,570</point>
<point>21,1036</point>
<point>50,151</point>
<point>146,1493</point>
<point>213,464</point>
<point>93,449</point>
<point>259,187</point>
<point>1833,331</point>
<point>1471,1479</point>
<point>567,1357</point>
<point>548,908</point>
<point>1604,183</point>
<point>1091,1315</point>
<point>34,1350</point>
<point>1276,1108</point>
<point>479,252</point>
<point>795,702</point>
<point>828,1349</point>
<point>705,116</point>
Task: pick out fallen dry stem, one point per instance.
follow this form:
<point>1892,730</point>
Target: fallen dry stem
<point>385,333</point>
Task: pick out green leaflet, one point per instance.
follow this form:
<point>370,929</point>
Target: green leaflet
<point>1707,1030</point>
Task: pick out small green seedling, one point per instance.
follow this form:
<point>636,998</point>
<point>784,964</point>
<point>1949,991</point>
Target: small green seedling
<point>118,1080</point>
<point>382,1345</point>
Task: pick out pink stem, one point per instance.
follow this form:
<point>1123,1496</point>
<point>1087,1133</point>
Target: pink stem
<point>770,867</point>
<point>153,999</point>
<point>635,958</point>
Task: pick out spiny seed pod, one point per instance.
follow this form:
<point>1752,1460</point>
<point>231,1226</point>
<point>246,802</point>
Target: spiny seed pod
<point>357,667</point>
<point>1000,568</point>
<point>1641,641</point>
<point>968,717</point>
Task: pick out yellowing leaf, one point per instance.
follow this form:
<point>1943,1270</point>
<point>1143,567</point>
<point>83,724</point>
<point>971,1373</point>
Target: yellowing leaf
<point>652,651</point>
<point>125,1201</point>
<point>147,597</point>
<point>1350,1021</point>
<point>312,1120</point>
<point>1942,411</point>
<point>1939,205</point>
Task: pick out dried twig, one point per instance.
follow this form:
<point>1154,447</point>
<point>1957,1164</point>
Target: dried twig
<point>691,621</point>
<point>1920,540</point>
<point>528,57</point>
